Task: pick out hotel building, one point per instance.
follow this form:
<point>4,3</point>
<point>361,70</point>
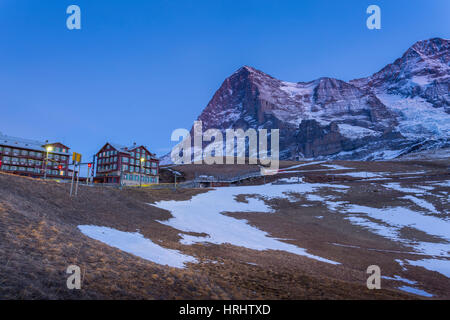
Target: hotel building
<point>123,165</point>
<point>32,158</point>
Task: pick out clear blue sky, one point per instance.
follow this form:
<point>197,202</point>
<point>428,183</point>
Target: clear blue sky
<point>139,69</point>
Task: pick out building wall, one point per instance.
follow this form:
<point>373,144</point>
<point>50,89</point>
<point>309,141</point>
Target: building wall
<point>124,166</point>
<point>32,162</point>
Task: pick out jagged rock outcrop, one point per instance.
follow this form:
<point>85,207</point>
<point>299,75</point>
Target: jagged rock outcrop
<point>314,140</point>
<point>375,117</point>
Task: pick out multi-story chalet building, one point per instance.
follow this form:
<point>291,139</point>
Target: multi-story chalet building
<point>126,165</point>
<point>32,158</point>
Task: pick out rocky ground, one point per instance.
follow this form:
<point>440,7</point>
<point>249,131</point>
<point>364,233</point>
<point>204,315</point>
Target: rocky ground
<point>40,238</point>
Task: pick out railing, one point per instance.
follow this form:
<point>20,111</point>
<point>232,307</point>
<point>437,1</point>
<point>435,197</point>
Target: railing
<point>227,179</point>
<point>203,179</point>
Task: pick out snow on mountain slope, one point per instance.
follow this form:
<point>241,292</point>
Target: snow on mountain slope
<point>416,88</point>
<point>355,132</point>
<point>405,107</point>
<point>417,117</point>
<point>251,98</point>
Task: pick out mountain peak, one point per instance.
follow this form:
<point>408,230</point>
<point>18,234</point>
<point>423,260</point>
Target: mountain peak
<point>245,70</point>
<point>358,119</point>
<point>248,70</point>
<point>431,46</point>
<point>328,80</point>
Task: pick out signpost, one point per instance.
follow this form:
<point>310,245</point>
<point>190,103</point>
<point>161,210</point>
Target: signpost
<point>88,173</point>
<point>140,172</point>
<point>76,160</point>
<point>175,174</point>
<point>92,167</point>
<point>78,180</point>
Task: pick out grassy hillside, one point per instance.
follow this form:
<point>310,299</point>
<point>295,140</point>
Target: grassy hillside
<point>39,239</point>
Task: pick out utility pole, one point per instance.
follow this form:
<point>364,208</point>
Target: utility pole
<point>73,177</point>
<point>88,173</point>
<point>140,172</point>
<point>120,174</point>
<point>89,169</point>
<point>93,167</point>
<point>76,159</point>
<point>174,173</point>
<point>78,180</point>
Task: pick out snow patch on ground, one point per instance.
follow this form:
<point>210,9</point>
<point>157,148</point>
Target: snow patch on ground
<point>398,278</point>
<point>415,291</point>
<point>203,214</point>
<point>398,187</point>
<point>421,203</point>
<point>335,167</point>
<point>315,197</point>
<point>291,180</point>
<point>393,219</point>
<point>136,244</point>
<point>359,174</point>
<point>443,184</point>
<point>438,265</point>
<point>303,165</point>
<point>407,173</point>
<point>399,217</point>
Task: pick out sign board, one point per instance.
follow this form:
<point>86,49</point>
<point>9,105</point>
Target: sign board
<point>76,157</point>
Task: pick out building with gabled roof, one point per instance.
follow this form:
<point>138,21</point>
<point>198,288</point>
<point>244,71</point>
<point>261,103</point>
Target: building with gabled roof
<point>32,157</point>
<point>126,165</point>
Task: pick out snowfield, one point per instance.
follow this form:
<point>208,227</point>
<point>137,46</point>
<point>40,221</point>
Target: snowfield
<point>415,291</point>
<point>136,244</point>
<point>418,118</point>
<point>422,203</point>
<point>392,220</point>
<point>203,214</point>
<point>396,186</point>
<point>359,174</point>
<point>197,215</point>
<point>438,265</point>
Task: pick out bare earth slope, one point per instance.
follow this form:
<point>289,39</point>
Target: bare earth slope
<point>40,238</point>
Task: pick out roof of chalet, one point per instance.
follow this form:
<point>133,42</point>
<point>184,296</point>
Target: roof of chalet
<point>28,144</point>
<point>128,150</point>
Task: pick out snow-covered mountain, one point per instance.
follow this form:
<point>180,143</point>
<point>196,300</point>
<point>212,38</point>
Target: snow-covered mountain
<point>416,88</point>
<point>400,109</point>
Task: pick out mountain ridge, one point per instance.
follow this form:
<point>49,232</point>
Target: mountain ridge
<point>381,116</point>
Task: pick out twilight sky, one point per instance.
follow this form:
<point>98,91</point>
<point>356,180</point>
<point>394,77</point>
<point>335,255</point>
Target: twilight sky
<point>139,69</point>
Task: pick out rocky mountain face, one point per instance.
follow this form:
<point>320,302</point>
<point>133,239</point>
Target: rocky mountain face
<point>423,71</point>
<point>403,107</point>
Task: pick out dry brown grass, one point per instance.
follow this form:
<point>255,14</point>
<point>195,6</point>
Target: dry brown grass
<point>39,239</point>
